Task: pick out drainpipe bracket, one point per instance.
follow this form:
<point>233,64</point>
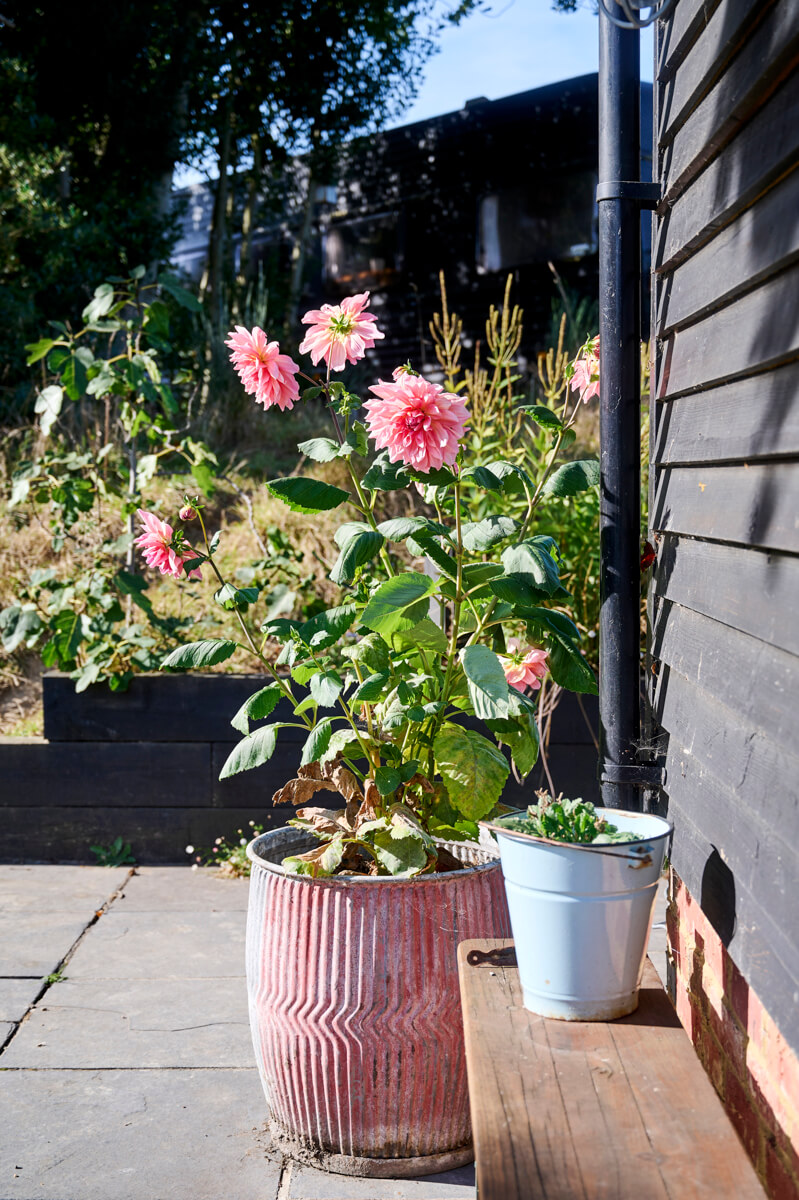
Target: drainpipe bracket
<point>649,774</point>
<point>647,195</point>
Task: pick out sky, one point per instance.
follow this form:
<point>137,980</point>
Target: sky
<point>512,46</point>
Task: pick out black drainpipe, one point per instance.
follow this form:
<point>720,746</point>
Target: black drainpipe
<point>620,197</point>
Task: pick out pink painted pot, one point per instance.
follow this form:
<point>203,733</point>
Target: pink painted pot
<point>355,1008</point>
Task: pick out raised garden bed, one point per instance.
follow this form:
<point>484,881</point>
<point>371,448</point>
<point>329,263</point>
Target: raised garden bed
<point>145,764</point>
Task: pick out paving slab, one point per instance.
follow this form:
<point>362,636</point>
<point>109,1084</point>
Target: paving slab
<point>16,997</point>
<point>152,945</point>
<point>305,1183</point>
<point>136,1023</point>
<point>5,1029</point>
<point>34,943</point>
<point>55,889</point>
<point>180,889</point>
<point>133,1135</point>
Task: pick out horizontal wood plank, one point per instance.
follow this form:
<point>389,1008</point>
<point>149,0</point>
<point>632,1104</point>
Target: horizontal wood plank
<point>758,683</point>
<point>752,505</point>
<point>723,35</point>
<point>735,261</point>
<point>758,330</point>
<point>616,1110</point>
<point>37,774</point>
<point>760,940</point>
<point>156,836</point>
<point>751,418</point>
<point>768,55</point>
<point>751,590</point>
<point>762,152</point>
<point>676,36</point>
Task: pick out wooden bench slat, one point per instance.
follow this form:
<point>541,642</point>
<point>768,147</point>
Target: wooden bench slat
<point>582,1110</point>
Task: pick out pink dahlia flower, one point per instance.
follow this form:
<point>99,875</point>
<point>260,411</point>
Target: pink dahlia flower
<point>585,379</point>
<point>524,670</point>
<point>418,422</point>
<point>156,546</point>
<point>340,333</point>
<point>265,372</point>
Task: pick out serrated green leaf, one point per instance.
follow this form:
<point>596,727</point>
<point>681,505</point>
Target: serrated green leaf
<point>573,477</point>
<point>473,769</point>
<point>371,689</point>
<point>532,561</point>
<point>199,654</point>
<point>319,863</point>
<point>371,651</point>
<point>252,751</point>
<point>317,742</point>
<point>387,780</point>
<point>402,857</point>
<point>399,528</point>
<point>311,393</point>
<point>483,477</point>
<point>305,495</point>
<point>100,304</point>
<point>482,535</point>
<point>425,635</point>
<point>542,415</point>
<point>325,628</point>
<point>399,603</point>
<point>519,732</point>
<point>422,545</point>
<point>356,441</point>
<point>184,298</point>
<point>385,476</point>
<point>256,707</point>
<point>569,668</point>
<point>326,687</point>
<point>488,687</point>
<point>320,449</point>
<point>360,548</point>
<point>38,350</point>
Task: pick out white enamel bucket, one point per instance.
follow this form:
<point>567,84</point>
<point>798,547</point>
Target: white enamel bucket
<point>581,916</point>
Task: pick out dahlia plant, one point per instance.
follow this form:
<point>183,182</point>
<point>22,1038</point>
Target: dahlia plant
<point>446,627</point>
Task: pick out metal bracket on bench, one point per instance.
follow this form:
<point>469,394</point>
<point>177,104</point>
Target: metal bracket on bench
<point>646,194</point>
<point>649,774</point>
<point>500,956</point>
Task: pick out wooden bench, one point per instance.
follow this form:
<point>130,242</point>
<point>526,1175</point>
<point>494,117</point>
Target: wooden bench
<point>621,1110</point>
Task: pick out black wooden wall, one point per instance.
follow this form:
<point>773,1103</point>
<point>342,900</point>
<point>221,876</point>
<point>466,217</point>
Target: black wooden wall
<point>724,604</point>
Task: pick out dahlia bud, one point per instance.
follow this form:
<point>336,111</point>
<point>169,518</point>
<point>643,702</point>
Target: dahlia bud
<point>187,513</point>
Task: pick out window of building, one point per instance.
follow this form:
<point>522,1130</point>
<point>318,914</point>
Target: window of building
<point>552,218</point>
<point>363,250</point>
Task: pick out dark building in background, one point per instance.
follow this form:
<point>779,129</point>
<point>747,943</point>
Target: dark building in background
<point>499,186</point>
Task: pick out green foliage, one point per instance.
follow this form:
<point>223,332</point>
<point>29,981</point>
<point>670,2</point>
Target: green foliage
<point>118,854</point>
<point>566,821</point>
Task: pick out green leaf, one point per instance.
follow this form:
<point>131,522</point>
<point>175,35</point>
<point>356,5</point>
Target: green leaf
<point>481,535</point>
<point>360,548</point>
<point>67,634</point>
<point>311,393</point>
<point>568,667</point>
<point>326,688</point>
<point>48,405</point>
<point>371,689</point>
<point>325,628</point>
<point>533,562</point>
<point>185,299</point>
<point>519,732</point>
<point>399,528</point>
<point>356,441</point>
<point>204,478</point>
<point>251,751</point>
<point>307,495</point>
<point>320,449</point>
<point>199,654</point>
<point>483,477</point>
<point>256,707</point>
<point>318,863</point>
<point>399,603</point>
<point>387,780</point>
<point>541,621</point>
<point>19,625</point>
<point>425,635</point>
<point>488,687</point>
<point>542,415</point>
<point>37,350</point>
<point>573,477</point>
<point>424,546</point>
<point>73,372</point>
<point>317,742</point>
<point>230,597</point>
<point>385,476</point>
<point>401,856</point>
<point>102,302</point>
<point>371,651</point>
<point>513,477</point>
<point>473,769</point>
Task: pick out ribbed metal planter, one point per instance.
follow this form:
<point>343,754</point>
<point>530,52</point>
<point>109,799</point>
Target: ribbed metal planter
<point>355,1009</point>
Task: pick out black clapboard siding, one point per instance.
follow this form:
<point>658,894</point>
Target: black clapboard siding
<point>757,157</point>
<point>748,589</point>
<point>760,774</point>
<point>752,505</point>
<point>758,330</point>
<point>758,934</point>
<point>735,261</point>
<point>719,40</point>
<point>156,836</point>
<point>765,58</point>
<point>757,682</point>
<point>677,35</point>
<point>752,418</point>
